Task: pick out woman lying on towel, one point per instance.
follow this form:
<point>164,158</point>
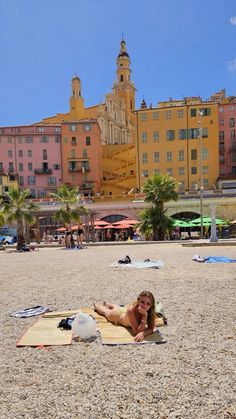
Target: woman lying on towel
<point>140,316</point>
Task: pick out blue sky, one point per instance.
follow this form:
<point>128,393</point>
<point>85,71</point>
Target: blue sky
<point>177,48</point>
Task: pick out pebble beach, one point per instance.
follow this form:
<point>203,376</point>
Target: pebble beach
<point>191,376</point>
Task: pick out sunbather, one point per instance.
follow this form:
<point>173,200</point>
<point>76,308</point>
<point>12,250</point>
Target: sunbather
<point>140,316</point>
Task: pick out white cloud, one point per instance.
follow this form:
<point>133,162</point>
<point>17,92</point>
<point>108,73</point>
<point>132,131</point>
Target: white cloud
<point>233,20</point>
<point>232,65</point>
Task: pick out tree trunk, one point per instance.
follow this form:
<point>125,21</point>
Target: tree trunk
<point>20,235</point>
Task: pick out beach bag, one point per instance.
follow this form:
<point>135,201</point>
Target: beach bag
<point>84,326</point>
<point>66,323</point>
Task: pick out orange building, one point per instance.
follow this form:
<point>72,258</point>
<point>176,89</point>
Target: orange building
<point>81,152</point>
<point>179,138</point>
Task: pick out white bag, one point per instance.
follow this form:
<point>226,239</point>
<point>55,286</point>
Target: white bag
<point>83,326</point>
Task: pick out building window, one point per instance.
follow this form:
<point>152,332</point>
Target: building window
<point>144,158</point>
<point>144,137</point>
<point>21,180</point>
<point>156,137</point>
<point>145,173</point>
<point>181,155</point>
<point>231,122</point>
<point>193,170</point>
<point>40,129</point>
<point>44,139</point>
<point>221,109</point>
<point>194,154</point>
<point>56,166</point>
<point>221,136</point>
<point>205,111</point>
<point>29,153</point>
<point>182,134</point>
<point>205,183</point>
<point>233,159</point>
<point>87,127</point>
<point>45,155</point>
<point>9,153</point>
<point>58,129</point>
<point>20,140</point>
<point>169,156</point>
<point>52,181</point>
<point>30,167</point>
<point>1,166</point>
<point>20,153</point>
<point>204,132</point>
<point>72,154</point>
<point>157,171</point>
<point>169,171</point>
<point>88,141</point>
<point>170,135</point>
<point>194,186</point>
<point>193,112</point>
<point>21,167</point>
<point>168,114</point>
<point>156,157</point>
<point>222,122</point>
<point>205,169</point>
<point>57,139</point>
<point>205,153</point>
<point>193,133</point>
<point>28,140</point>
<point>155,115</point>
<point>232,134</point>
<point>181,171</point>
<point>31,180</point>
<point>85,153</point>
<point>180,113</point>
<point>143,116</point>
<point>10,167</point>
<point>9,140</point>
<point>73,141</point>
<point>72,127</point>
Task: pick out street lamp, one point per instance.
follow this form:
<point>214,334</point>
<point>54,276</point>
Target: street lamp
<point>200,113</point>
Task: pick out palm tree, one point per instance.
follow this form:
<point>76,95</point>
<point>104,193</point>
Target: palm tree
<point>67,196</point>
<point>18,209</point>
<point>159,189</point>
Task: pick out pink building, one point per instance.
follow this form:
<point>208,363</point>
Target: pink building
<point>32,154</point>
<point>227,138</point>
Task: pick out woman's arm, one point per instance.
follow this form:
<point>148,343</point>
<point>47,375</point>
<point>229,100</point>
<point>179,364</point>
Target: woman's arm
<point>141,335</point>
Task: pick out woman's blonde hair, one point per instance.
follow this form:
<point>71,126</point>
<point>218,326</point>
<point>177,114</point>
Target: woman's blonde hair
<point>151,312</point>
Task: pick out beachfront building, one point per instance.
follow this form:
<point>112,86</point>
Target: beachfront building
<point>179,138</point>
<point>32,156</point>
<point>81,152</point>
<point>227,143</point>
<point>7,182</point>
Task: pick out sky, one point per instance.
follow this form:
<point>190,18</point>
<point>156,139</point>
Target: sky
<point>177,48</point>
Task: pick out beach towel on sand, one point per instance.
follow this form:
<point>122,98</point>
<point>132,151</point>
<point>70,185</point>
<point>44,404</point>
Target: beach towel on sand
<point>213,259</point>
<point>46,333</point>
<point>154,264</point>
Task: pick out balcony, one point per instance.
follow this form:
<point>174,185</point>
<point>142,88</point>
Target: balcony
<point>42,171</point>
<point>84,169</point>
<point>73,169</point>
<point>86,186</point>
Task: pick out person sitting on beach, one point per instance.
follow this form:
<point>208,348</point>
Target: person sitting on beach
<point>140,316</point>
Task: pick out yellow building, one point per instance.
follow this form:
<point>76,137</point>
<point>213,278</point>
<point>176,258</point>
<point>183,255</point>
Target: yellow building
<point>7,182</point>
<point>117,122</point>
<point>179,138</point>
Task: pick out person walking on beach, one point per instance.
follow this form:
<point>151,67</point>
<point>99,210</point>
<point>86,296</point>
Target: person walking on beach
<point>80,234</point>
<point>140,316</point>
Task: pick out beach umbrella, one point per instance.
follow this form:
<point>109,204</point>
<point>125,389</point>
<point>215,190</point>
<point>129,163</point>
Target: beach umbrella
<point>127,221</point>
<point>181,223</point>
<point>99,227</point>
<point>206,221</point>
<point>124,225</point>
<point>108,226</point>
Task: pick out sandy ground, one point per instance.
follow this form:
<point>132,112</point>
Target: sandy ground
<point>191,376</point>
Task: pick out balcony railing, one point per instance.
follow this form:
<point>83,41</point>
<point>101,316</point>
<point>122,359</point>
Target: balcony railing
<point>43,171</point>
<point>84,169</point>
<point>73,169</point>
<point>86,186</point>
